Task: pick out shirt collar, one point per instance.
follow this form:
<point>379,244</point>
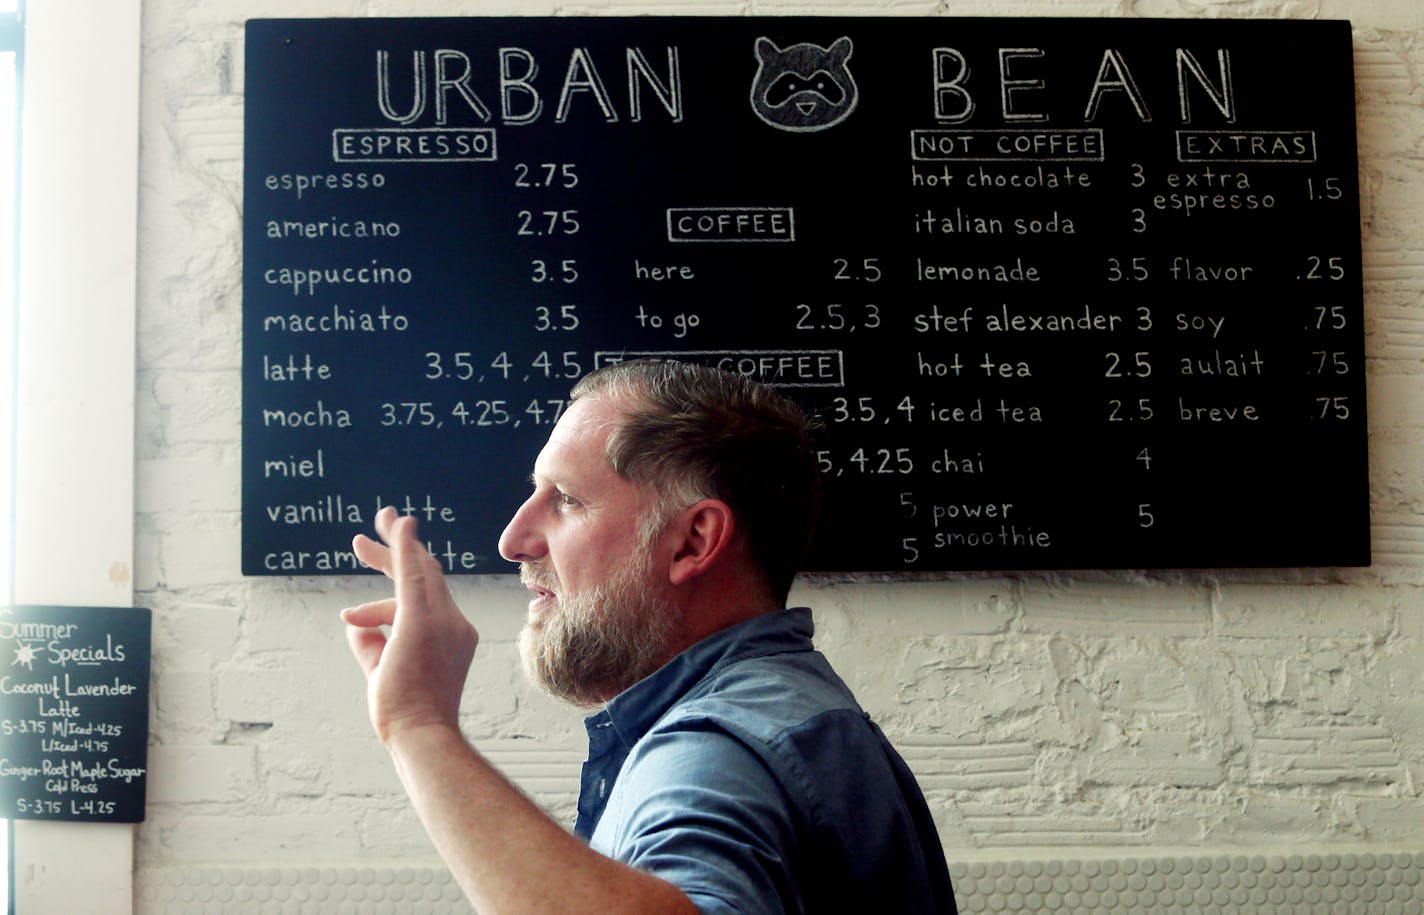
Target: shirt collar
<point>635,710</point>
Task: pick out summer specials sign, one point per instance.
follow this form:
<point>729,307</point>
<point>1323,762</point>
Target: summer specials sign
<point>73,713</point>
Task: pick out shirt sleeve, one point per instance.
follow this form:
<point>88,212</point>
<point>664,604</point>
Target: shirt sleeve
<point>698,807</point>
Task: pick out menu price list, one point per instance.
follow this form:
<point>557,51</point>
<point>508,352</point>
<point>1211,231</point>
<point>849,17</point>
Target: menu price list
<point>74,713</point>
<point>1065,293</point>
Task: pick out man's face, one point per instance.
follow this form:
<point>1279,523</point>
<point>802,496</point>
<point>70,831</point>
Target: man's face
<point>598,620</point>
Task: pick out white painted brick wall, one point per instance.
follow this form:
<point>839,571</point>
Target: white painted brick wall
<point>1084,713</point>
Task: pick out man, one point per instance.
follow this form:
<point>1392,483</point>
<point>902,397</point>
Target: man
<point>729,770</point>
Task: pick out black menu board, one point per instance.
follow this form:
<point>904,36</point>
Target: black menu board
<point>74,713</point>
<point>1067,292</point>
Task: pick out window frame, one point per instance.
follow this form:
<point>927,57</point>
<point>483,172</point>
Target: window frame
<point>75,378</point>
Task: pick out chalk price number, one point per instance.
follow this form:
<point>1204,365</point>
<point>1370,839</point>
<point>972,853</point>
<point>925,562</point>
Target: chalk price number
<point>546,174</point>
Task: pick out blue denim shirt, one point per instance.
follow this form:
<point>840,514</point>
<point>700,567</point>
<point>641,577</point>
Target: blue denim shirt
<point>745,773</point>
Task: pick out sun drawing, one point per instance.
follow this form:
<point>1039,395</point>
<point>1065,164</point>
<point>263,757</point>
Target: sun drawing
<point>25,655</point>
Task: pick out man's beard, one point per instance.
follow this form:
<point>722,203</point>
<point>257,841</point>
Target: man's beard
<point>592,644</point>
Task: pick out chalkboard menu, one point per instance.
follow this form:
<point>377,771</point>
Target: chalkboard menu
<point>73,713</point>
<point>1067,293</point>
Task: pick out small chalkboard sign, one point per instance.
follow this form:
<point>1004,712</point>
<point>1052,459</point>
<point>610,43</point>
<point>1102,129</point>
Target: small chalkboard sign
<point>74,713</point>
<point>1067,292</point>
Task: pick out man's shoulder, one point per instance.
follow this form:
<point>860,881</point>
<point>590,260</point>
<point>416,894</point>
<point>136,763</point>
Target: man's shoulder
<point>763,698</point>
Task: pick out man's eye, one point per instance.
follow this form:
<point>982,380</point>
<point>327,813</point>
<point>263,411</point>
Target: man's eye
<point>564,500</point>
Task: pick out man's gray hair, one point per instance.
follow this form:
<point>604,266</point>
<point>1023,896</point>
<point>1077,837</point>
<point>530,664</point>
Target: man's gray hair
<point>692,432</point>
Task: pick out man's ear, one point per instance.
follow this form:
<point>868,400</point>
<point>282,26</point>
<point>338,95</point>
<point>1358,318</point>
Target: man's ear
<point>704,532</point>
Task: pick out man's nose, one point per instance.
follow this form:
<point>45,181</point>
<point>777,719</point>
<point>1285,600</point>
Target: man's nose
<point>522,540</point>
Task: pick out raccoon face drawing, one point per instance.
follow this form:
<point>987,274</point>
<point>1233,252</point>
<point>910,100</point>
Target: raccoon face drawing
<point>804,87</point>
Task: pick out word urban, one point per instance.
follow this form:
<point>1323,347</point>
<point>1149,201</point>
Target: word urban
<point>520,100</point>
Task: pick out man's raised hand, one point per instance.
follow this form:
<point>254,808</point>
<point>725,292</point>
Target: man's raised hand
<point>416,672</point>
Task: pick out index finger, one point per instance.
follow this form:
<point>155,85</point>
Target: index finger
<point>411,567</point>
<point>372,553</point>
<point>385,520</point>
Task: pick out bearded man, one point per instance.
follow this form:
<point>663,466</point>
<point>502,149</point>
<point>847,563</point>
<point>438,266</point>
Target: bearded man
<point>729,769</point>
